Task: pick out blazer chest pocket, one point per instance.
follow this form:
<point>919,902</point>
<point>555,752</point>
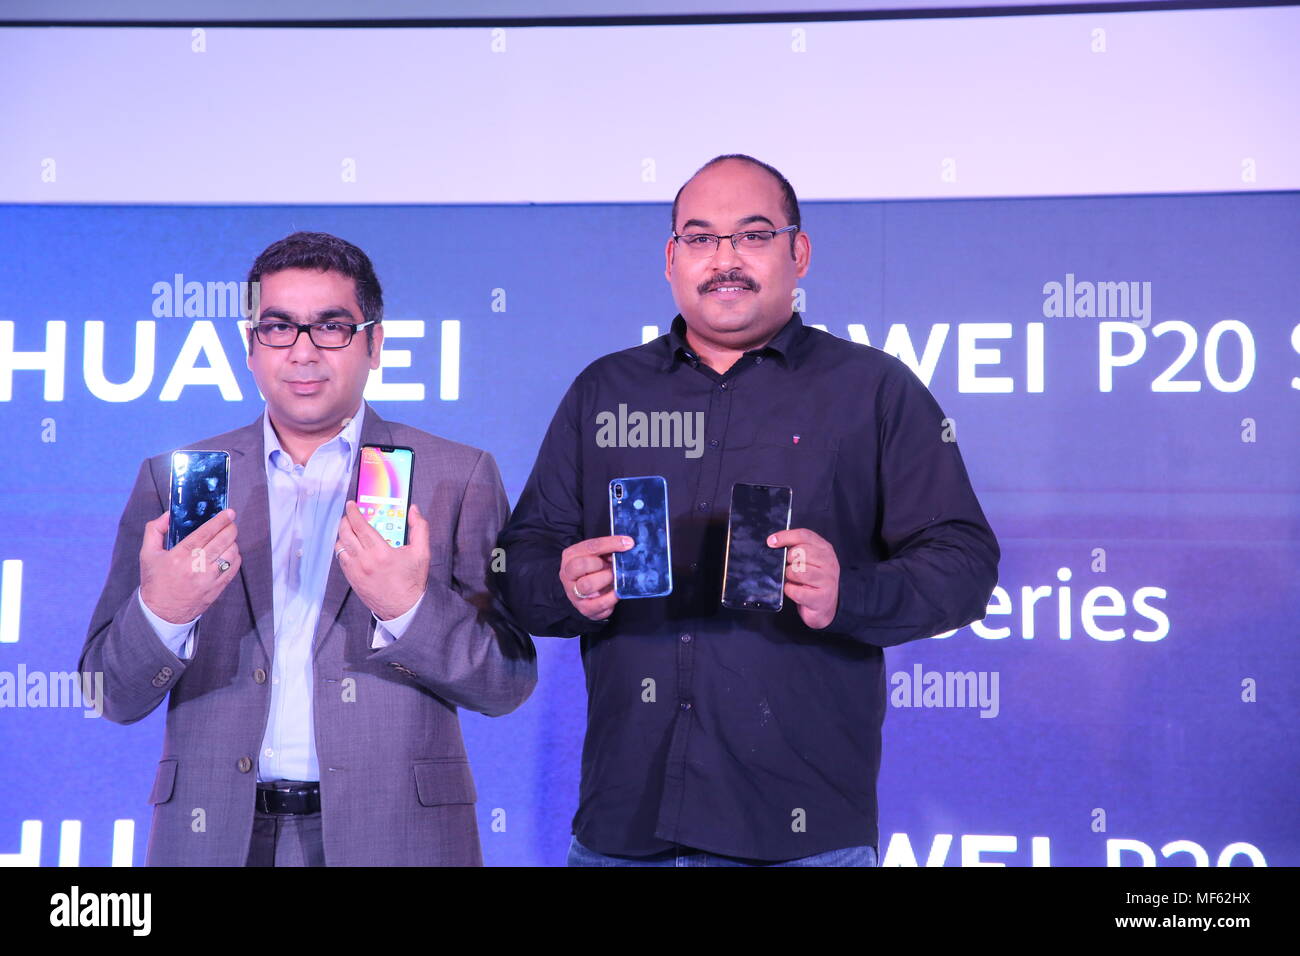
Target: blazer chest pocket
<point>164,782</point>
<point>440,782</point>
<point>775,454</point>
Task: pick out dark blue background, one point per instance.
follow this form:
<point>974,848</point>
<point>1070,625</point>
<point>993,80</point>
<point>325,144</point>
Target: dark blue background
<point>1155,734</point>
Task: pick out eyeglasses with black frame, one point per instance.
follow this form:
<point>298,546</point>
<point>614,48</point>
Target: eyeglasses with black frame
<point>747,243</point>
<point>279,334</point>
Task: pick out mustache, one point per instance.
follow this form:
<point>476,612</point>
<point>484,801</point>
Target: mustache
<point>731,278</point>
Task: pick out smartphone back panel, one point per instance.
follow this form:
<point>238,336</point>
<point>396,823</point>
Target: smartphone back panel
<point>638,508</point>
<point>200,489</point>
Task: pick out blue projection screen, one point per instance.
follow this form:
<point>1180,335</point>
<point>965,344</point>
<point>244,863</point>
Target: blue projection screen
<point>1121,374</point>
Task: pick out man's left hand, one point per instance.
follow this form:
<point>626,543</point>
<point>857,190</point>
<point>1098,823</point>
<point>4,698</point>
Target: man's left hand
<point>812,574</point>
<point>389,580</point>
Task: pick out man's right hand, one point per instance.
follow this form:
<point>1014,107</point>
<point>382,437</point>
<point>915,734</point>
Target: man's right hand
<point>587,575</point>
<point>180,584</point>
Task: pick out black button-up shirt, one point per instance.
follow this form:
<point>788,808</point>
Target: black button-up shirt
<point>747,733</point>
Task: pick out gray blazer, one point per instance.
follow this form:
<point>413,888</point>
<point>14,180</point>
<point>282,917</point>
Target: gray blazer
<point>396,787</point>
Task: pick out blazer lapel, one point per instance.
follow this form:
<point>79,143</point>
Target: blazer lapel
<point>248,498</point>
<point>374,431</point>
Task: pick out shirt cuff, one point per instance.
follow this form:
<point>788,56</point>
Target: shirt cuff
<point>854,593</point>
<point>177,638</point>
<point>577,622</point>
<point>388,631</point>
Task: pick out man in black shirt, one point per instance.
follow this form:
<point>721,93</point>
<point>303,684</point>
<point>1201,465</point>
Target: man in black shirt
<point>720,736</point>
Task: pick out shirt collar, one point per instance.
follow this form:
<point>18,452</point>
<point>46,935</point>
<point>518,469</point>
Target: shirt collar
<point>784,345</point>
<point>349,435</point>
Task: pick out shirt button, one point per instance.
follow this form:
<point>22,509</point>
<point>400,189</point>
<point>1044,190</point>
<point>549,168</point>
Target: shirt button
<point>695,567</point>
<point>245,764</point>
<point>259,676</point>
<point>704,506</point>
<point>723,386</point>
<point>686,705</point>
<point>686,638</point>
<point>268,752</point>
<point>759,360</point>
<point>298,552</point>
<point>713,443</point>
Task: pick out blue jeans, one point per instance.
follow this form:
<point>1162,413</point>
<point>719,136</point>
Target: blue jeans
<point>579,855</point>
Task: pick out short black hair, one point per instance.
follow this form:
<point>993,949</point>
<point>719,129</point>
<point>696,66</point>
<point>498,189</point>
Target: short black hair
<point>789,201</point>
<point>325,253</point>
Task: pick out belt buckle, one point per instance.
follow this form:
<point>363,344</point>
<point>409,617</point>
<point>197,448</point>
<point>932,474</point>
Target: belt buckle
<point>289,800</point>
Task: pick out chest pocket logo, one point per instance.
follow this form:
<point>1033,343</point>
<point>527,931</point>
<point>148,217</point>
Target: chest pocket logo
<point>770,454</point>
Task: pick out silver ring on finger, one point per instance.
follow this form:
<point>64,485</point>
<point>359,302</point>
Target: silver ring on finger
<point>223,566</point>
<point>579,595</point>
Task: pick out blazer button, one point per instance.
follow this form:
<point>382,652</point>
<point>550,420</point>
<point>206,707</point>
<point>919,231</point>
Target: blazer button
<point>245,764</point>
<point>162,677</point>
<point>259,675</point>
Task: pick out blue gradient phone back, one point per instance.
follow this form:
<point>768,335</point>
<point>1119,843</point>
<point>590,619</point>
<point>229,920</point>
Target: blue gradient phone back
<point>638,508</point>
<point>200,485</point>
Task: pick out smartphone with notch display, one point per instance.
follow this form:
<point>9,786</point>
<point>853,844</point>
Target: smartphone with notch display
<point>200,490</point>
<point>753,577</point>
<point>384,489</point>
<point>638,508</point>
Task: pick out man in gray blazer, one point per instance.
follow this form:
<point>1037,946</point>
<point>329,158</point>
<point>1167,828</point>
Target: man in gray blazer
<point>314,671</point>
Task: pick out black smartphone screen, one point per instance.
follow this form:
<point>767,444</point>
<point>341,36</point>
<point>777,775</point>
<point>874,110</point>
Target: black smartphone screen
<point>200,487</point>
<point>754,576</point>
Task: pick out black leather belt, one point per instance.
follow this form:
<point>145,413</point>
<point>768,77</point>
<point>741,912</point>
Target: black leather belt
<point>292,798</point>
